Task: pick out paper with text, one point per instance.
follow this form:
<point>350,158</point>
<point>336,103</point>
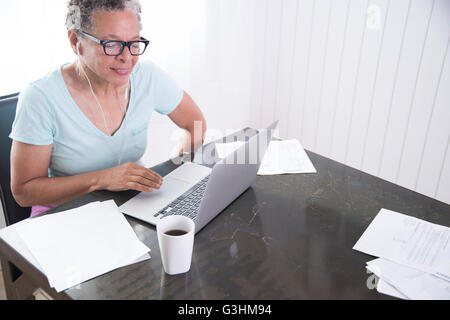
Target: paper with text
<point>408,241</point>
<point>410,282</point>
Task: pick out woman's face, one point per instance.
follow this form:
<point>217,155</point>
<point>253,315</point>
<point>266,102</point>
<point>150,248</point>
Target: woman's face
<point>116,25</point>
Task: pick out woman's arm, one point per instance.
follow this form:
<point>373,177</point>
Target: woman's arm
<point>188,116</point>
<point>30,184</point>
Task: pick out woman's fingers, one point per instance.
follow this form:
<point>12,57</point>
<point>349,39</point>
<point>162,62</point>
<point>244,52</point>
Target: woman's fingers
<point>131,176</point>
<point>151,175</point>
<point>137,186</point>
<point>146,182</point>
<point>146,178</point>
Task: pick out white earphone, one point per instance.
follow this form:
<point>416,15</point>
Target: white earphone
<point>79,59</point>
<point>81,69</point>
<point>78,49</point>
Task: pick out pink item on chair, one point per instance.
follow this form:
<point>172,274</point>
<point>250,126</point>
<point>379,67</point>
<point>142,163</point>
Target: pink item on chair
<point>39,209</point>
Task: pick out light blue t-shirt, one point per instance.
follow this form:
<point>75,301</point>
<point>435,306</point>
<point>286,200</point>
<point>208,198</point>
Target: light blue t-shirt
<point>46,114</point>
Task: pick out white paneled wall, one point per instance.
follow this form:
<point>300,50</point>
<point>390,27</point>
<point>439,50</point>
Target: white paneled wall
<point>363,82</point>
<point>366,83</point>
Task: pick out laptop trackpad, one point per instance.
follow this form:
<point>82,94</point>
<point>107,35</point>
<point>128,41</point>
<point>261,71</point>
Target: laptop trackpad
<point>147,203</point>
<point>171,189</point>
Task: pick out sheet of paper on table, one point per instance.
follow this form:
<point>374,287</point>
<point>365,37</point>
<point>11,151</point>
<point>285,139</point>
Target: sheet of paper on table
<point>76,245</point>
<point>409,241</point>
<point>409,282</point>
<point>414,254</point>
<point>285,156</point>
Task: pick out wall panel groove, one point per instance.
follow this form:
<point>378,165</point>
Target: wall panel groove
<point>402,150</point>
<point>391,100</point>
<point>427,134</point>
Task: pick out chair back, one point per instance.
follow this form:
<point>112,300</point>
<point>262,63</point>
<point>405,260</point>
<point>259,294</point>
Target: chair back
<point>12,211</point>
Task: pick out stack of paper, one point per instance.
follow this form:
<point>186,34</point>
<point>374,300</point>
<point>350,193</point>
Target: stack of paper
<point>76,245</point>
<point>286,156</point>
<point>414,256</point>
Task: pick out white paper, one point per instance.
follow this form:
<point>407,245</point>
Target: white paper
<point>408,241</point>
<point>79,244</point>
<point>286,156</point>
<point>10,236</point>
<point>385,288</point>
<point>412,283</point>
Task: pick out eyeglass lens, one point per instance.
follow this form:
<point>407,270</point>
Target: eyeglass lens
<point>116,47</point>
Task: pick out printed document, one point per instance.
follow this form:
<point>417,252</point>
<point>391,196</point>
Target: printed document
<point>408,241</point>
<point>410,282</point>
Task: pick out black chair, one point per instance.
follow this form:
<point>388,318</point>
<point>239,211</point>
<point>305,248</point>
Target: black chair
<point>13,212</point>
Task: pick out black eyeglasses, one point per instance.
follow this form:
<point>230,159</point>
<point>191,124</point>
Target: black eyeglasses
<point>115,47</point>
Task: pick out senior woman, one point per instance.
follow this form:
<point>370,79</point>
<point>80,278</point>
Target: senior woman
<point>83,126</point>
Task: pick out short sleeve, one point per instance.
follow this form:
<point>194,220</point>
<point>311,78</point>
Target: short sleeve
<point>33,123</point>
<point>167,93</point>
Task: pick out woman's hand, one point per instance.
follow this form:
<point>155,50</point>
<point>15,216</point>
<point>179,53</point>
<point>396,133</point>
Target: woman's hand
<point>31,186</point>
<point>129,176</point>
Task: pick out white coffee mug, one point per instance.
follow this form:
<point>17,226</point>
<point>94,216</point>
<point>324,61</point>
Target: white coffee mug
<point>176,249</point>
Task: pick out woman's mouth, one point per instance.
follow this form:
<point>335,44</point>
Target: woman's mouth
<point>121,71</point>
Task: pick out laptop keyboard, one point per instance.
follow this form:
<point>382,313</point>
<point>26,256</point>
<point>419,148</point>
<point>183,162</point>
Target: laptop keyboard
<point>188,203</point>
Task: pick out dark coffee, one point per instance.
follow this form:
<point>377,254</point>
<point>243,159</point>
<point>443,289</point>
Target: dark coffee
<point>175,232</point>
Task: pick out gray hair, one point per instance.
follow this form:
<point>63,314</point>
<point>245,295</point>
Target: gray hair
<point>80,12</point>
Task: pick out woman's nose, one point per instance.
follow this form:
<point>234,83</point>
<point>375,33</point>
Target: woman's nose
<point>126,54</point>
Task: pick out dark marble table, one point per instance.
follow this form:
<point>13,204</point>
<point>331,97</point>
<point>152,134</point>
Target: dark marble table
<point>286,237</point>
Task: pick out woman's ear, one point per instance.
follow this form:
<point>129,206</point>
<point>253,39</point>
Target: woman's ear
<point>74,41</point>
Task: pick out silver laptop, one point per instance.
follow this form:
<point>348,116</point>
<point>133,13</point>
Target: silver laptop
<point>200,192</point>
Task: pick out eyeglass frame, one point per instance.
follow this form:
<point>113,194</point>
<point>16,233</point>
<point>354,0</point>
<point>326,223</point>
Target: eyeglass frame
<point>124,43</point>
